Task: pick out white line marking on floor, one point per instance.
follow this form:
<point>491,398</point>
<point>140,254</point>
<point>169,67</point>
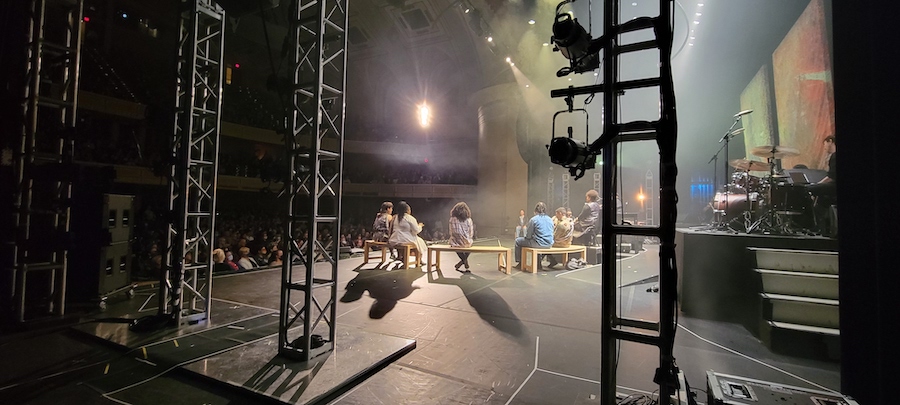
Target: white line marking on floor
<point>569,376</point>
<point>757,361</point>
<point>537,348</point>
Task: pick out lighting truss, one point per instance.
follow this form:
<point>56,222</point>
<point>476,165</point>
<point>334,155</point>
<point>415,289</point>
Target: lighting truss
<point>186,288</point>
<point>550,192</point>
<point>664,131</point>
<point>44,156</point>
<point>314,144</point>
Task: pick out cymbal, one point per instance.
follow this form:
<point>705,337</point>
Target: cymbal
<point>749,165</point>
<point>774,151</point>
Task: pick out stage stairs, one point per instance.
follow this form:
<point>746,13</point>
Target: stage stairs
<point>799,302</point>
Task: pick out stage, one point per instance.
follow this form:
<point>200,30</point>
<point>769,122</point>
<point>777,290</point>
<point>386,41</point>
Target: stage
<point>716,278</point>
<point>404,336</point>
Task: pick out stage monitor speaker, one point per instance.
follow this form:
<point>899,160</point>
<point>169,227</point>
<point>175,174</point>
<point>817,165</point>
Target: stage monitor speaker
<point>593,255</point>
<point>100,262</point>
<point>725,389</point>
<point>833,220</point>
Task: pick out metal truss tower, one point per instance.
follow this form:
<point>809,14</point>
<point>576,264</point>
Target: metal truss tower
<point>551,194</point>
<point>616,328</point>
<point>186,286</point>
<point>565,193</point>
<point>43,159</point>
<point>315,145</point>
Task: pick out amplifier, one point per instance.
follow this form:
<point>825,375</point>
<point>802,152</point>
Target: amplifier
<point>724,389</point>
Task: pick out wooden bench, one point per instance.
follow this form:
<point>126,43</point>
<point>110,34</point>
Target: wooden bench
<point>369,244</point>
<point>530,255</point>
<point>407,250</point>
<point>503,254</point>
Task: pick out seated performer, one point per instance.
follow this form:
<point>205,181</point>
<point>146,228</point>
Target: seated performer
<point>405,230</point>
<point>520,225</point>
<point>562,233</point>
<point>538,232</point>
<point>588,221</point>
<point>462,232</point>
<point>381,227</point>
<point>825,191</point>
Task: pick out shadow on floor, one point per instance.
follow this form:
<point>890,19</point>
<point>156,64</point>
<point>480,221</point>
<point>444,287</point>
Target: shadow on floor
<point>386,287</point>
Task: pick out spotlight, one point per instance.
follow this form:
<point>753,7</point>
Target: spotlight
<point>424,114</point>
<point>490,39</point>
<point>573,42</point>
<point>531,22</point>
<point>569,152</point>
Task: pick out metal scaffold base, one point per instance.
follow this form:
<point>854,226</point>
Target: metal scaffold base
<point>237,351</point>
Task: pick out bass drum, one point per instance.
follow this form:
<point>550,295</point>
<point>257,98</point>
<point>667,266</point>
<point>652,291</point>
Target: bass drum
<point>728,206</point>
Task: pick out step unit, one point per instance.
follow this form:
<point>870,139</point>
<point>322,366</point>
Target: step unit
<point>799,307</point>
<point>815,312</point>
<point>801,340</point>
<point>815,285</point>
<point>808,261</point>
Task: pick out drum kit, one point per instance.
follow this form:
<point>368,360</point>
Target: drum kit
<point>770,204</point>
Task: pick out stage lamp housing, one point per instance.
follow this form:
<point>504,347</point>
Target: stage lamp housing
<point>570,153</point>
<point>573,42</point>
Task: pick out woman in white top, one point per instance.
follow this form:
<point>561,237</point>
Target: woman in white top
<point>405,229</point>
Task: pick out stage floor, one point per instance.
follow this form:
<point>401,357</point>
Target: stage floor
<point>479,337</point>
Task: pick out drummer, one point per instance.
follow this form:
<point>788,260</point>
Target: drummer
<point>825,191</point>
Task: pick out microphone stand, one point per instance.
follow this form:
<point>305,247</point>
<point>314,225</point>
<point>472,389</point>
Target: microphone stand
<point>715,159</point>
<point>727,138</point>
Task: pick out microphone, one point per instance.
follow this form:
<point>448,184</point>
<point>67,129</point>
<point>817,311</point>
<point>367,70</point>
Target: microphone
<point>742,113</point>
<point>731,134</point>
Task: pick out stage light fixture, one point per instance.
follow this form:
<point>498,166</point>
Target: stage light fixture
<point>573,42</point>
<point>424,115</point>
<point>569,153</point>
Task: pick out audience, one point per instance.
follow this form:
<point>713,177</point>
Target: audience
<point>246,262</point>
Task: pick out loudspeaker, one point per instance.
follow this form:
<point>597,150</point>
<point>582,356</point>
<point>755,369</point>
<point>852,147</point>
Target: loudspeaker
<point>100,258</point>
<point>593,255</point>
<point>833,220</point>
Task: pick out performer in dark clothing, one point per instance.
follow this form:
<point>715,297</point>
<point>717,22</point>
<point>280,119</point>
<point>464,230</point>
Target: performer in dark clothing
<point>588,221</point>
<point>825,191</point>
